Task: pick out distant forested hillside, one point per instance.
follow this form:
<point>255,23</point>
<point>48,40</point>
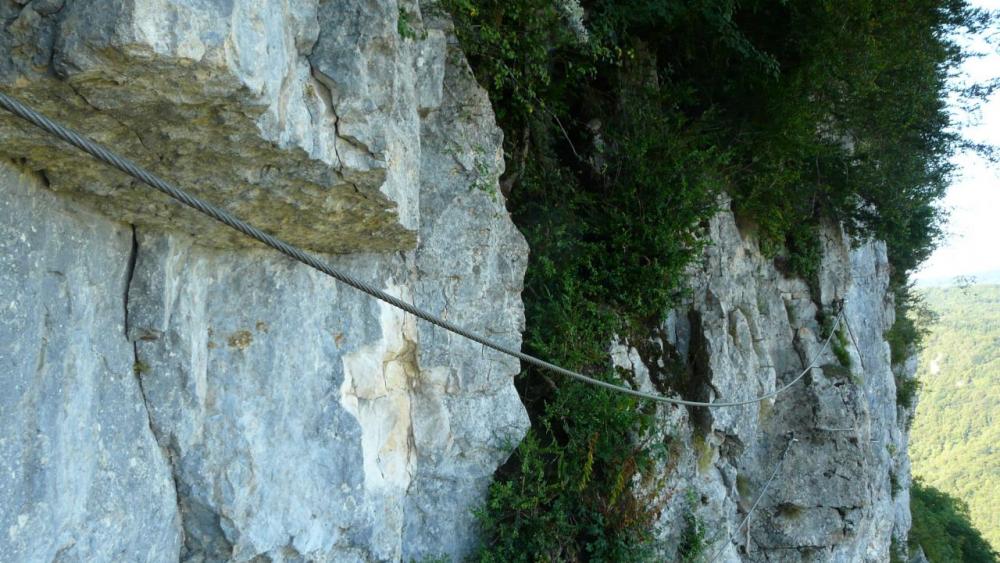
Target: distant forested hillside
<point>955,443</point>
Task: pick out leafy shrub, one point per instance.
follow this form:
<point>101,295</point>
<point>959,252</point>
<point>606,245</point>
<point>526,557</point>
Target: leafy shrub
<point>523,53</point>
<point>568,494</point>
<point>862,137</point>
<point>694,540</point>
<point>911,326</point>
<point>906,391</point>
<point>594,272</point>
<point>838,344</point>
<point>804,253</point>
<point>404,26</point>
<point>619,138</point>
<point>906,336</point>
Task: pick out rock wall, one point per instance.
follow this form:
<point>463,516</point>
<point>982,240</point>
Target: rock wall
<point>176,393</point>
<point>81,475</point>
<point>841,491</point>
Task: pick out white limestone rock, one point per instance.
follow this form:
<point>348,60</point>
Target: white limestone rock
<point>223,98</point>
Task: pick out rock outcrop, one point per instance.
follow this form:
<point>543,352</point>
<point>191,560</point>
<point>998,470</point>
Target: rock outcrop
<point>840,493</point>
<point>174,392</point>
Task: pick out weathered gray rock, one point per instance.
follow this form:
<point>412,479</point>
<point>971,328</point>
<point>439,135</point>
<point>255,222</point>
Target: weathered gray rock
<point>397,451</point>
<point>301,420</point>
<point>466,412</point>
<point>840,493</point>
<point>918,556</point>
<point>81,477</point>
<point>180,394</point>
<point>281,397</point>
<point>221,98</point>
<point>901,476</point>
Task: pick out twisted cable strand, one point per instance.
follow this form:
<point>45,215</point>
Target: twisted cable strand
<point>760,495</point>
<point>108,157</point>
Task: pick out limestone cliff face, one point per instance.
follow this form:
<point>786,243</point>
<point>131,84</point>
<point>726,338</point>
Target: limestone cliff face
<point>172,392</point>
<point>841,491</point>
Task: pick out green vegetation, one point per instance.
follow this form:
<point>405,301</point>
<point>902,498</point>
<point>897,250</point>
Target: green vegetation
<point>622,130</point>
<point>898,552</point>
<point>405,29</point>
<point>912,325</point>
<point>906,337</point>
<point>955,432</point>
<point>942,528</point>
<point>838,345</point>
<point>693,541</point>
<point>906,391</point>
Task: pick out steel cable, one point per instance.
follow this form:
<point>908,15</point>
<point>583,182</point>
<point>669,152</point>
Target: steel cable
<point>128,167</point>
<point>760,495</point>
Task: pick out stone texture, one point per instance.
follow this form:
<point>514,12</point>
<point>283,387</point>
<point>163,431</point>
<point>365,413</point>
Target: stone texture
<point>184,86</point>
<point>81,477</point>
<point>403,423</point>
<point>301,420</point>
<point>840,494</point>
<point>177,394</point>
<point>281,397</point>
<point>466,412</point>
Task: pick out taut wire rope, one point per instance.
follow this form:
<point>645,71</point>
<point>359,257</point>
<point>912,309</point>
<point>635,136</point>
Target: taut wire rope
<point>760,495</point>
<point>128,167</point>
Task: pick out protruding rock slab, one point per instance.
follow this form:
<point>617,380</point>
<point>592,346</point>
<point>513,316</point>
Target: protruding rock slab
<point>220,98</point>
<point>302,420</point>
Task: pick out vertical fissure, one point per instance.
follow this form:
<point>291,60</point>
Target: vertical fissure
<point>129,274</point>
<point>138,368</point>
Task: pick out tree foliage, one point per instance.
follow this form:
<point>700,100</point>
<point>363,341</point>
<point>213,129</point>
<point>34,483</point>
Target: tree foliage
<point>941,527</point>
<point>955,431</point>
<point>624,123</point>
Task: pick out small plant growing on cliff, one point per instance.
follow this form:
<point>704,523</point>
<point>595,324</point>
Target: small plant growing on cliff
<point>484,181</point>
<point>790,511</point>
<point>839,346</point>
<point>894,485</point>
<point>694,539</point>
<point>406,29</point>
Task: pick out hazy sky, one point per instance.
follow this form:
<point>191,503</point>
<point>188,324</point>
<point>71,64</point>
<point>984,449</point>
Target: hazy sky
<point>973,243</point>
